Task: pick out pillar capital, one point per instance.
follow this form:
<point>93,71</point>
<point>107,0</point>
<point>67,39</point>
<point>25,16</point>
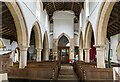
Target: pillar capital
<point>86,49</point>
<point>39,49</point>
<point>47,48</point>
<point>99,46</point>
<point>80,48</point>
<point>23,47</point>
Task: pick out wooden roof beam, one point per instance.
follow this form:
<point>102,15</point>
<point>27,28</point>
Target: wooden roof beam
<point>4,11</point>
<point>54,5</point>
<point>113,21</point>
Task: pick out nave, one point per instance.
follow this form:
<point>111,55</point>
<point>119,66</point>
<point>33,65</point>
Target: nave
<point>50,72</point>
<point>40,41</point>
<point>54,71</point>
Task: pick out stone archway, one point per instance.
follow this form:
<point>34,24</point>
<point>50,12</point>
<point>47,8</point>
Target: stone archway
<point>55,46</point>
<point>37,36</point>
<point>89,42</point>
<point>63,46</point>
<point>101,32</point>
<point>22,35</point>
<point>19,23</point>
<point>45,51</point>
<point>61,36</point>
<point>103,22</point>
<point>81,47</point>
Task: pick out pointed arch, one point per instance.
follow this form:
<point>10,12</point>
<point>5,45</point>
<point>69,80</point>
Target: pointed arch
<point>22,33</point>
<point>88,35</point>
<point>64,35</point>
<point>38,36</point>
<point>101,30</point>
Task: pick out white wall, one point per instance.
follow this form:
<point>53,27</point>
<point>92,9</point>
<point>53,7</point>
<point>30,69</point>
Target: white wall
<point>94,10</point>
<point>114,42</point>
<point>107,50</point>
<point>29,12</point>
<point>63,22</point>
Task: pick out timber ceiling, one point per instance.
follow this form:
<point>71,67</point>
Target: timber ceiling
<point>7,26</point>
<point>53,6</point>
<point>114,21</point>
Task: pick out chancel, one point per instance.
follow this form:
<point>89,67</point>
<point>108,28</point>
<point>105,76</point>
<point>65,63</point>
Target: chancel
<point>59,40</point>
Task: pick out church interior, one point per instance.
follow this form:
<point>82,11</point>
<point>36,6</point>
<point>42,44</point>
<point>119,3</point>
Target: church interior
<point>59,40</point>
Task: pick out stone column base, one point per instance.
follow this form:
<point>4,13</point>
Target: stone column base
<point>3,76</point>
<point>100,49</point>
<point>87,54</point>
<point>81,54</point>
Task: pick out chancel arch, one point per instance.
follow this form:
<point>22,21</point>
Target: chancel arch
<point>63,43</point>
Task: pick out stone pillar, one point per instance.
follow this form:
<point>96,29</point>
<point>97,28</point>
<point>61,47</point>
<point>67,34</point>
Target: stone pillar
<point>71,49</point>
<point>81,54</point>
<point>23,56</point>
<point>55,49</point>
<point>38,54</point>
<point>46,55</point>
<point>87,54</point>
<point>100,54</point>
<point>3,76</point>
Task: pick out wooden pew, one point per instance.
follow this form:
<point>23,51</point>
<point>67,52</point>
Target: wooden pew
<point>89,73</point>
<point>35,71</point>
<point>79,68</point>
<point>34,63</point>
<point>32,73</point>
<point>5,62</point>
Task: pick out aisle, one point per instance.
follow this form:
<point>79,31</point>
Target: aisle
<point>67,73</point>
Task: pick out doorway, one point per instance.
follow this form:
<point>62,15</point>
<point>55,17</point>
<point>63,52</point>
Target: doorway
<point>63,48</point>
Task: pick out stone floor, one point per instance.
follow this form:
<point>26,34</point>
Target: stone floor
<point>67,73</point>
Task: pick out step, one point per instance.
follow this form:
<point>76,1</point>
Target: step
<point>71,76</point>
<point>66,73</point>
